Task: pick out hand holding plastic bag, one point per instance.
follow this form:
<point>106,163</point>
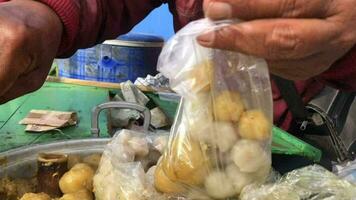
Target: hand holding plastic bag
<point>221,138</point>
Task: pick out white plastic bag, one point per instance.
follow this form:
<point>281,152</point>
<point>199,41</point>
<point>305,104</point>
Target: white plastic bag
<point>124,172</point>
<point>221,138</point>
<point>308,183</point>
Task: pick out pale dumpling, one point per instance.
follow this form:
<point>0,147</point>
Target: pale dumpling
<point>218,185</point>
<point>249,156</point>
<point>228,106</point>
<point>239,179</point>
<point>80,195</point>
<point>80,177</point>
<point>254,125</point>
<point>139,146</point>
<point>164,184</point>
<point>33,196</point>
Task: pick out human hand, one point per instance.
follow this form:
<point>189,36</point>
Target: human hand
<point>30,36</point>
<point>298,38</point>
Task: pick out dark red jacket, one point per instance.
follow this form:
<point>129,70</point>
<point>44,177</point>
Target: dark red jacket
<point>89,22</point>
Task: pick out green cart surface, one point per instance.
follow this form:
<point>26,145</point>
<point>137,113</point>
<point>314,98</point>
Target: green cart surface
<point>52,96</point>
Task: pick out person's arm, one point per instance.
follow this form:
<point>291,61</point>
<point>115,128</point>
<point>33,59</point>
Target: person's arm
<point>34,32</point>
<point>88,22</point>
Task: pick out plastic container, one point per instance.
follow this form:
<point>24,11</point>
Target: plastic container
<point>126,58</point>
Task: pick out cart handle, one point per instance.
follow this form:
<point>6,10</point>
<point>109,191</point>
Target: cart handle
<point>121,105</point>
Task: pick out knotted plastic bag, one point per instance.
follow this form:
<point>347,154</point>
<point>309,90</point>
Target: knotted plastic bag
<point>220,141</point>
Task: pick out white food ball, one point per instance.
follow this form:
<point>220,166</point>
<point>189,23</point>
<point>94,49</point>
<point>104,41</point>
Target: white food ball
<point>225,136</point>
<point>219,134</point>
<point>218,185</point>
<point>249,156</point>
<point>139,146</point>
<point>239,179</point>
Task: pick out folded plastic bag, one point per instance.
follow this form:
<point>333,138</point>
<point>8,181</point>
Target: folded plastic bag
<point>126,168</point>
<point>220,141</point>
<point>308,183</point>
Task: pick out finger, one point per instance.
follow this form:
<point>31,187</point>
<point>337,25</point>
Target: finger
<point>274,38</point>
<point>255,9</point>
<point>25,84</point>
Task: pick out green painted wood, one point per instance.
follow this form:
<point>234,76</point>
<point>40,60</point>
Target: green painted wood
<point>52,96</point>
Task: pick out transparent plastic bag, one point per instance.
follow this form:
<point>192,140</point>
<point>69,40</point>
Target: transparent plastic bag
<point>221,138</point>
<point>126,168</point>
<point>308,183</point>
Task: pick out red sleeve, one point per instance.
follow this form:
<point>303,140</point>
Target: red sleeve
<point>88,22</point>
<point>342,74</point>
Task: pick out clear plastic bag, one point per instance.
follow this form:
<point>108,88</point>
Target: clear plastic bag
<point>308,183</point>
<point>221,138</point>
<point>127,165</point>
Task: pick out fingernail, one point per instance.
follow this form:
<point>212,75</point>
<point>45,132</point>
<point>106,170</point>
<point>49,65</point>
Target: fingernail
<point>206,38</point>
<point>219,10</point>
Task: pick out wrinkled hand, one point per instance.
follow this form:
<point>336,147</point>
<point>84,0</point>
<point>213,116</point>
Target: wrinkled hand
<point>298,38</point>
<point>30,34</point>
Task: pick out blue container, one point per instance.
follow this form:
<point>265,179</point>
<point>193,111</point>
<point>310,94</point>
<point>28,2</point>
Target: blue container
<point>138,52</point>
<point>126,58</point>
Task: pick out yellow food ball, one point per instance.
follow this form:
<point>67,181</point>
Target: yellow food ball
<point>80,195</point>
<point>254,125</point>
<point>93,160</point>
<point>33,196</point>
<point>186,162</point>
<point>163,184</point>
<point>228,106</point>
<point>80,177</point>
<point>73,160</point>
<point>201,77</point>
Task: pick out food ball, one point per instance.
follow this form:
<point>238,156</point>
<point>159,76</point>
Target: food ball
<point>201,77</point>
<point>73,160</point>
<point>92,160</point>
<point>164,184</point>
<point>228,106</point>
<point>239,179</point>
<point>187,163</point>
<point>198,113</point>
<point>221,135</point>
<point>33,196</point>
<point>80,195</point>
<point>139,146</point>
<point>80,177</point>
<point>218,185</point>
<point>254,125</point>
<point>249,156</point>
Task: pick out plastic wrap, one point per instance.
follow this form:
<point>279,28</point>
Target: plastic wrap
<point>309,183</point>
<point>125,170</point>
<point>220,141</point>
